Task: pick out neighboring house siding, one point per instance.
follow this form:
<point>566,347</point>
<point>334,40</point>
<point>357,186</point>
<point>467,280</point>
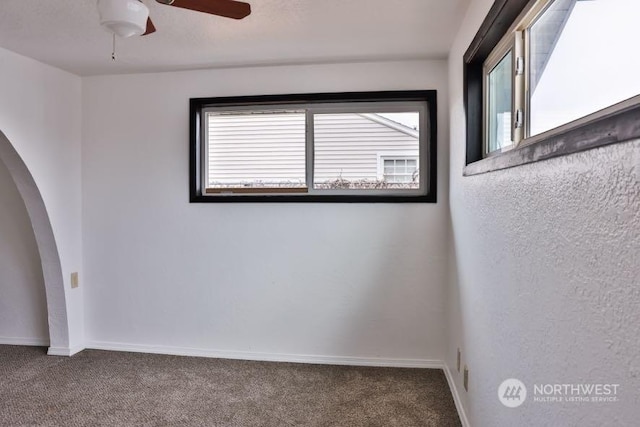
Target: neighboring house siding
<point>257,148</point>
<point>348,145</point>
<point>271,148</point>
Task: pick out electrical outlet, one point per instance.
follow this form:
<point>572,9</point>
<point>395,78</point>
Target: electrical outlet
<point>465,380</point>
<point>74,280</point>
<point>459,358</point>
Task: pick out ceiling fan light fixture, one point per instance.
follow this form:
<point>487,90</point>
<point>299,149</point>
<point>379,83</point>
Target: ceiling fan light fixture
<point>124,18</point>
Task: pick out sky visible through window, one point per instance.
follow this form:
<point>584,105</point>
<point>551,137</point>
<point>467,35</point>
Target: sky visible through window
<point>411,120</point>
<point>593,64</point>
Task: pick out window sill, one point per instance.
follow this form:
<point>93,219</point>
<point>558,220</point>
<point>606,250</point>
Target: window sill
<point>620,126</point>
<point>291,198</point>
<point>257,190</point>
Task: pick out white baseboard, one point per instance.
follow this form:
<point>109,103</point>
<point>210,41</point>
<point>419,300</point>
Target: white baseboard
<point>64,351</point>
<point>456,397</point>
<point>267,357</point>
<point>36,342</point>
<point>41,342</point>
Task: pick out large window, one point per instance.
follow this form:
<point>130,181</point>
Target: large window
<point>557,73</point>
<point>322,147</point>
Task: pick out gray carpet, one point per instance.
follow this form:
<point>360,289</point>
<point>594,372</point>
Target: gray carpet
<point>100,388</point>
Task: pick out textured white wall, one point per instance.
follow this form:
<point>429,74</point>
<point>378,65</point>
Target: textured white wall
<point>23,304</point>
<point>546,275</point>
<point>40,115</point>
<point>336,280</point>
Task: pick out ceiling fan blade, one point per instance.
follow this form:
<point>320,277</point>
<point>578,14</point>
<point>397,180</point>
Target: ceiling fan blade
<point>227,8</point>
<point>150,27</point>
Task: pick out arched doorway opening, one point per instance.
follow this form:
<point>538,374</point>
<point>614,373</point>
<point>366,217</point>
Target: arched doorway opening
<point>49,257</point>
<point>23,303</point>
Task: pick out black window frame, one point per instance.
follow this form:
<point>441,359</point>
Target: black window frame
<point>197,105</point>
<point>618,126</point>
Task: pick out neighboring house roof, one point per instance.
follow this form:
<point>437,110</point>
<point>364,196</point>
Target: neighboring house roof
<point>548,31</point>
<point>392,124</point>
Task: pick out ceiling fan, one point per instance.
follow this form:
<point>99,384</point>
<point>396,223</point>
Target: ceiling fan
<point>128,18</point>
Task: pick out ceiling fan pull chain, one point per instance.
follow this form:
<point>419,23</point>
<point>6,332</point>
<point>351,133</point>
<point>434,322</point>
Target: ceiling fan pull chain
<point>113,51</point>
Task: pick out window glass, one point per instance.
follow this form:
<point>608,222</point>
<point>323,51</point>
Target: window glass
<point>257,149</point>
<point>500,94</point>
<point>348,146</point>
<point>583,58</point>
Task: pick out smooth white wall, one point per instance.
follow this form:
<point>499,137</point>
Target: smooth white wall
<point>334,280</point>
<point>545,274</point>
<point>23,304</point>
<point>40,115</point>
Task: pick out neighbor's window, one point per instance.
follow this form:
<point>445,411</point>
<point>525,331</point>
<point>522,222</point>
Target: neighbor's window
<point>561,64</point>
<point>338,150</point>
<point>401,171</point>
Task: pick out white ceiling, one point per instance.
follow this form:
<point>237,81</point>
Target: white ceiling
<point>66,34</point>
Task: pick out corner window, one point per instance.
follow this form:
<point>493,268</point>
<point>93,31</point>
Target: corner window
<point>550,77</point>
<point>322,147</point>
